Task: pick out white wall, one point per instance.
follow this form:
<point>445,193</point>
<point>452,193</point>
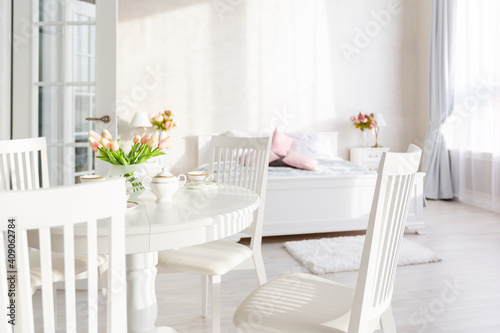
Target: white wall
<point>245,64</point>
<point>423,49</point>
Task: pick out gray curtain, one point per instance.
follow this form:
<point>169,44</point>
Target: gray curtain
<point>436,162</point>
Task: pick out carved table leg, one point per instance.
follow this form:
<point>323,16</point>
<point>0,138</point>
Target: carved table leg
<point>142,308</point>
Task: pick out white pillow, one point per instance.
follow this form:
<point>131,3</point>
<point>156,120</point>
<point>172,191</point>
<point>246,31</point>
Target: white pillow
<point>315,145</point>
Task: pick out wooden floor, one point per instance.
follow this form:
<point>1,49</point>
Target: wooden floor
<point>461,294</point>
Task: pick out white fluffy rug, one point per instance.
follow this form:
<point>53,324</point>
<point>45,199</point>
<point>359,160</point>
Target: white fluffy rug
<point>340,254</point>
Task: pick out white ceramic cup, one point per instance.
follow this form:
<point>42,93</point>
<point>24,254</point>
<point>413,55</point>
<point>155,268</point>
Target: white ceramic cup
<point>91,178</point>
<point>199,177</point>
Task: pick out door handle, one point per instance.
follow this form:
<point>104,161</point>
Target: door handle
<point>104,119</point>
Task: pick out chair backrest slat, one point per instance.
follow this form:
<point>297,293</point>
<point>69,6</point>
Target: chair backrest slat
<point>69,278</point>
<point>47,283</point>
<point>24,313</point>
<point>57,215</point>
<point>36,174</point>
<point>23,164</point>
<point>374,288</point>
<point>30,171</point>
<point>117,280</point>
<point>244,163</point>
<point>92,275</point>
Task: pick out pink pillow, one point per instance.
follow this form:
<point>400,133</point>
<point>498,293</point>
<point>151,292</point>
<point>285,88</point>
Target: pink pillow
<point>300,161</point>
<point>281,143</point>
<point>273,157</point>
<point>247,160</point>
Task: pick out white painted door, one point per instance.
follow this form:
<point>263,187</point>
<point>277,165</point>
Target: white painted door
<point>55,71</point>
<point>5,66</point>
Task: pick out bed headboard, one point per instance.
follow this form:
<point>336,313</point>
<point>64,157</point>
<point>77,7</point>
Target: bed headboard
<point>329,138</point>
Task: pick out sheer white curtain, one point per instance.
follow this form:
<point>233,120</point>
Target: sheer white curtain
<point>436,163</point>
<point>473,129</point>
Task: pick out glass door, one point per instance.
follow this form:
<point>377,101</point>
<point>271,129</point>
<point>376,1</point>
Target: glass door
<point>66,86</point>
<point>55,86</point>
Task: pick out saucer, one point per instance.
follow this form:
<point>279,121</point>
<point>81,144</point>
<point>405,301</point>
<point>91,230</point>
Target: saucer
<point>132,204</point>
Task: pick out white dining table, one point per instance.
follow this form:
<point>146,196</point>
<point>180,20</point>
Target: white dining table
<point>193,217</point>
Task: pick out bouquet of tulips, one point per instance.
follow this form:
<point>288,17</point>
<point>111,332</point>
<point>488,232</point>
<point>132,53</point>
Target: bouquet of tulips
<point>143,148</point>
<point>363,122</point>
<point>163,121</point>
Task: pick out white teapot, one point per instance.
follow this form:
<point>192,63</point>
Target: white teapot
<point>164,185</point>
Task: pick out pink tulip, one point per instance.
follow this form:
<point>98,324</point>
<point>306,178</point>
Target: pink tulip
<point>374,123</point>
<point>145,138</point>
<point>115,146</point>
<point>164,144</point>
<point>168,125</point>
<point>106,134</point>
<point>153,140</point>
<point>94,144</point>
<point>357,122</point>
<point>367,116</point>
<point>371,126</point>
<point>106,143</point>
<point>137,139</point>
<point>364,120</point>
<point>353,119</point>
<point>94,135</point>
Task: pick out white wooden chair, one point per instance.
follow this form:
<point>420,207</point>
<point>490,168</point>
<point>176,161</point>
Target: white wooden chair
<point>305,303</point>
<point>236,161</point>
<point>23,164</point>
<point>63,208</point>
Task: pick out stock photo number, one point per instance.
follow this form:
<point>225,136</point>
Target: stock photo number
<point>11,270</point>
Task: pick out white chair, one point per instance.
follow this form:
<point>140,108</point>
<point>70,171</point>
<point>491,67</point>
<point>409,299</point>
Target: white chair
<point>236,161</point>
<point>305,303</point>
<point>68,210</point>
<point>23,164</point>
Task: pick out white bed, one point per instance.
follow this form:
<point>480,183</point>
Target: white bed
<point>336,197</point>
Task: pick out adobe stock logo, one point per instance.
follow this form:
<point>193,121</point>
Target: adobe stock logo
<point>373,28</point>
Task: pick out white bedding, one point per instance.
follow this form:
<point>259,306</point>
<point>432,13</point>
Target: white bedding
<point>324,168</point>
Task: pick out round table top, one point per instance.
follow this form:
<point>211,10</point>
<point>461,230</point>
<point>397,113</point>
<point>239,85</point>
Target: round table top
<point>193,217</point>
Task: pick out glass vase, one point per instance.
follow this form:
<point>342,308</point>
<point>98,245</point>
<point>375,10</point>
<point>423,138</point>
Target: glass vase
<point>362,139</point>
<point>134,175</point>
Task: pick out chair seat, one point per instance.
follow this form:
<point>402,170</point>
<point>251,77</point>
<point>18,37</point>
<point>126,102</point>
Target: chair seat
<point>296,303</point>
<point>214,258</point>
<point>58,267</point>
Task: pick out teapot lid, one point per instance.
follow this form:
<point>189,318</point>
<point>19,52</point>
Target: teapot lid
<point>165,176</point>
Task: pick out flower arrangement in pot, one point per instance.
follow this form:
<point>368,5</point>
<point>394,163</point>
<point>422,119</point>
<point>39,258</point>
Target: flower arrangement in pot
<point>163,121</point>
<point>364,121</point>
<point>129,165</point>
